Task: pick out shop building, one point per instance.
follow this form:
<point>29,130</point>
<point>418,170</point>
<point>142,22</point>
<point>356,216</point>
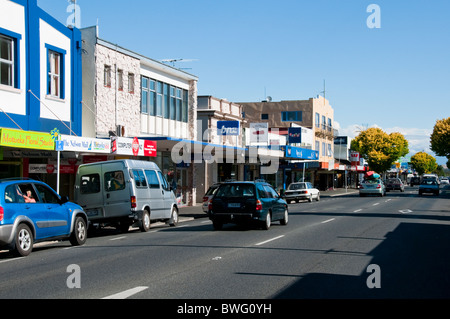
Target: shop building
<point>315,114</point>
<point>40,88</point>
<point>128,96</point>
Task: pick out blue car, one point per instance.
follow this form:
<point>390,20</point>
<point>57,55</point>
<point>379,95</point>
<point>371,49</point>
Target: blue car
<point>31,212</point>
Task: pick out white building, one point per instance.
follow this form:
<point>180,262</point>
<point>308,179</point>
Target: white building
<point>130,95</point>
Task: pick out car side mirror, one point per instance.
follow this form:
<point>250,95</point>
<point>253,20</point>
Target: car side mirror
<point>63,200</point>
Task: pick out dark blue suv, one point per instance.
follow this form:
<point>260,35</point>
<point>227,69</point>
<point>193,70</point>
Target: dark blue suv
<point>246,202</point>
<point>31,211</point>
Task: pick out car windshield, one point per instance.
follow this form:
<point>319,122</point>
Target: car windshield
<point>297,186</point>
<point>429,182</point>
<point>236,190</point>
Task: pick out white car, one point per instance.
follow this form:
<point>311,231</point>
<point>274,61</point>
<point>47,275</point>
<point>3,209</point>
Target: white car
<point>372,187</point>
<point>208,196</point>
<point>300,191</point>
<point>445,181</point>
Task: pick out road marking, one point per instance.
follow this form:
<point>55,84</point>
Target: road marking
<point>127,293</point>
<point>8,260</point>
<point>388,200</point>
<point>329,220</point>
<point>268,241</point>
<point>376,204</point>
<point>357,211</point>
<point>118,238</point>
<point>405,211</point>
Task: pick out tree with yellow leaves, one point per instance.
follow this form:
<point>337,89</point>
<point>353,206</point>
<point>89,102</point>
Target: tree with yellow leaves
<point>440,139</point>
<point>379,149</point>
<point>423,163</point>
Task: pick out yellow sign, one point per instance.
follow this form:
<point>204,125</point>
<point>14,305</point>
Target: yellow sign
<point>26,139</point>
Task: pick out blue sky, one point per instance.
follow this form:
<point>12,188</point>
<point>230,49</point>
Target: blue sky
<point>395,77</point>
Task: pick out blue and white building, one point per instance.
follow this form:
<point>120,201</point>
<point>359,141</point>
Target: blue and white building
<point>40,70</point>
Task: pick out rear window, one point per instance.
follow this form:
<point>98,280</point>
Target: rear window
<point>236,190</point>
<point>212,190</point>
<point>296,186</point>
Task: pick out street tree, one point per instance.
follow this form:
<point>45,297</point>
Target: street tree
<point>440,139</point>
<point>423,163</point>
<point>379,149</point>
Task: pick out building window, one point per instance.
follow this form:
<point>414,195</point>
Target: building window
<point>264,117</point>
<point>173,111</point>
<point>330,125</point>
<point>131,83</point>
<point>107,76</point>
<point>317,120</point>
<point>330,152</point>
<point>120,80</point>
<point>324,149</point>
<point>7,61</point>
<point>185,106</point>
<point>166,100</point>
<point>179,101</point>
<point>159,98</point>
<point>144,95</point>
<point>318,147</point>
<point>324,123</point>
<point>292,116</point>
<point>55,71</point>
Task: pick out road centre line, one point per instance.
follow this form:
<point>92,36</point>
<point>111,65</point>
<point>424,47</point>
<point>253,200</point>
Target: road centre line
<point>118,238</point>
<point>376,204</point>
<point>357,211</point>
<point>127,293</point>
<point>329,220</point>
<point>268,241</point>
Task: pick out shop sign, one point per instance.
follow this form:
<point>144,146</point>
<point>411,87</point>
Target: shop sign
<point>228,128</point>
<point>26,139</point>
<point>259,133</point>
<point>51,169</point>
<point>133,147</point>
<point>85,144</point>
<point>295,135</point>
<point>301,153</point>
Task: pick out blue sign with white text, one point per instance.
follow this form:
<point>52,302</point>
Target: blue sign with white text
<point>301,153</point>
<point>228,128</point>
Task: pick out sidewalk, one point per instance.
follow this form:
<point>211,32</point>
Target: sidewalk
<point>187,213</point>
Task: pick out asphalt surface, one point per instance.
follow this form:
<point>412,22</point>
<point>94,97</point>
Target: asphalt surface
<point>325,252</point>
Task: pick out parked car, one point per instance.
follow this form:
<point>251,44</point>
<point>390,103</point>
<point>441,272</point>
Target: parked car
<point>395,184</point>
<point>429,186</point>
<point>414,181</point>
<point>208,195</point>
<point>372,187</point>
<point>445,181</point>
<point>124,193</point>
<point>31,212</point>
<point>301,191</point>
<point>247,202</point>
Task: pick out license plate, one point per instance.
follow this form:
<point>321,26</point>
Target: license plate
<point>234,205</point>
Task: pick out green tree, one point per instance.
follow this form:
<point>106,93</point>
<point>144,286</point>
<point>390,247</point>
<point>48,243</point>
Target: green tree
<point>423,163</point>
<point>379,149</point>
<point>440,139</point>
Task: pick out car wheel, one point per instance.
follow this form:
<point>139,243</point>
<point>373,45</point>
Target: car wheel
<point>23,242</point>
<point>174,217</point>
<point>145,221</point>
<point>267,222</point>
<point>318,197</point>
<point>285,219</point>
<point>79,234</point>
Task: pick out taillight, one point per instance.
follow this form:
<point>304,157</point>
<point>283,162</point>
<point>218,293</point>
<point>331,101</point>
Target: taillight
<point>133,202</point>
<point>258,205</point>
<point>379,186</point>
<point>210,205</point>
<point>205,198</point>
<point>1,213</point>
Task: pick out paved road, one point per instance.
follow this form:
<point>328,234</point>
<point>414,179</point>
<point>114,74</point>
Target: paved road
<point>324,252</point>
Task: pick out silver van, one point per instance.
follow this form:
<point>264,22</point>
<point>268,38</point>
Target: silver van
<point>125,193</point>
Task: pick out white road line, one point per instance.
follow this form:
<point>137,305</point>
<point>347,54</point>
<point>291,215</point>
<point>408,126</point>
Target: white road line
<point>13,259</point>
<point>268,241</point>
<point>357,211</point>
<point>329,220</point>
<point>376,204</point>
<point>118,238</point>
<point>127,293</point>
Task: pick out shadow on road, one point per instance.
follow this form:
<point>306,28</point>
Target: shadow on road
<point>414,263</point>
